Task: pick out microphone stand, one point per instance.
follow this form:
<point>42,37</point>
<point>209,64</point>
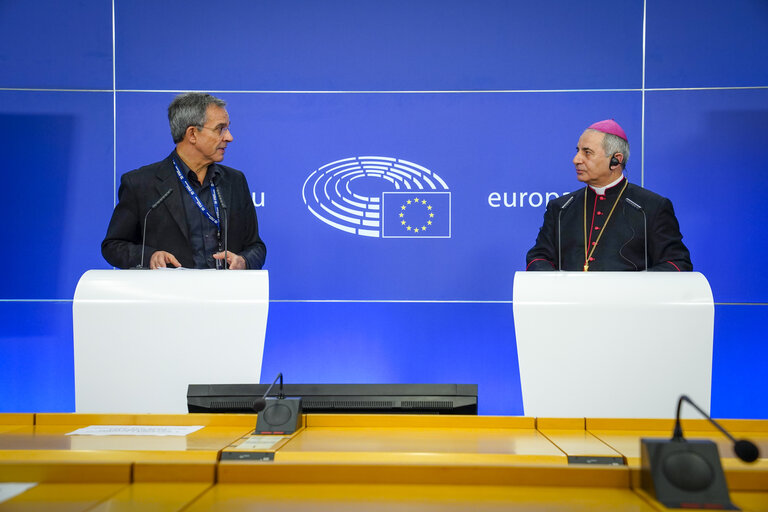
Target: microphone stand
<point>157,203</point>
<point>559,229</point>
<point>645,226</point>
<point>683,473</point>
<point>226,226</point>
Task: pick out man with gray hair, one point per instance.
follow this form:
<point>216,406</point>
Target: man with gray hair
<point>205,217</point>
<point>610,224</point>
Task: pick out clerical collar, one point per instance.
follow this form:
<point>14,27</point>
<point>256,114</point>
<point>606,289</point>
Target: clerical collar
<point>601,190</point>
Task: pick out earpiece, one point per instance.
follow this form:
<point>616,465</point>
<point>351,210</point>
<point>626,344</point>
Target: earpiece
<point>614,162</point>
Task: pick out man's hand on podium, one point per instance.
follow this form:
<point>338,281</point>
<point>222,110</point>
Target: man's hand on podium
<point>235,261</point>
<point>161,259</point>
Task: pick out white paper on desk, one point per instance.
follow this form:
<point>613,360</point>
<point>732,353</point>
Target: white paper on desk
<point>9,490</point>
<point>135,430</point>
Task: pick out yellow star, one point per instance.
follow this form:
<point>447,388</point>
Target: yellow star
<point>408,201</point>
<point>408,228</point>
<point>429,222</point>
<point>402,207</point>
<point>429,207</point>
<point>424,201</point>
<point>431,214</point>
<point>423,228</point>
<point>415,199</point>
<point>402,222</point>
<point>415,230</point>
<point>401,214</point>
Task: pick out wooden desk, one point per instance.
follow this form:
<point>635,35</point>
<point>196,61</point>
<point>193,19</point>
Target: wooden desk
<point>624,436</point>
<point>399,439</point>
<point>580,446</point>
<point>42,452</point>
<point>153,497</point>
<point>77,473</point>
<point>352,462</point>
<point>47,438</point>
<point>748,483</point>
<point>13,421</point>
<point>59,497</point>
<point>405,497</point>
<point>16,418</point>
<point>411,440</point>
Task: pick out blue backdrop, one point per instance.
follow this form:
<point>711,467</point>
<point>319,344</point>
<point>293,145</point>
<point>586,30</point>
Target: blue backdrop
<point>474,106</point>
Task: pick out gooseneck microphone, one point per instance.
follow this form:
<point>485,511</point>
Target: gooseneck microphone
<point>688,473</point>
<point>277,415</point>
<point>260,403</point>
<point>559,229</point>
<point>645,226</point>
<point>157,203</point>
<point>744,449</point>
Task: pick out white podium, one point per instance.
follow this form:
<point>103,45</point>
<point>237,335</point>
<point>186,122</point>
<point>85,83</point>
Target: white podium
<point>141,337</point>
<point>613,344</point>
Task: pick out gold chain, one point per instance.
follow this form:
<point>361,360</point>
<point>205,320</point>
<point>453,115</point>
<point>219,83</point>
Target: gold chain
<point>589,255</point>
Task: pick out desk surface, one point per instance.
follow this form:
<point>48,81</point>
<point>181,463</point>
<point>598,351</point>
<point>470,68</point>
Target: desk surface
<point>624,436</point>
<point>14,418</point>
<point>345,497</point>
<point>419,445</point>
<point>352,462</point>
<point>44,452</point>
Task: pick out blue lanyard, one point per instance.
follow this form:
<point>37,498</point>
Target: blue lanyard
<point>214,220</point>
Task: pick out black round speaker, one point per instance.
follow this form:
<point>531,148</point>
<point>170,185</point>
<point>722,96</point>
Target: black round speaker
<point>688,471</point>
<point>277,414</point>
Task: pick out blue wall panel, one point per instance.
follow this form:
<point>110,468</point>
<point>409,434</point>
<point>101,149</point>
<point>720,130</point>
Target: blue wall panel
<point>56,45</point>
<point>706,43</point>
<point>36,357</point>
<point>561,65</point>
<point>706,150</point>
<point>331,342</point>
<point>478,143</point>
<point>738,372</point>
<point>374,45</point>
<point>59,180</point>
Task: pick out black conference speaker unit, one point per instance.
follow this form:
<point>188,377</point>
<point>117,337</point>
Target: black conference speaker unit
<point>683,473</point>
<point>279,416</point>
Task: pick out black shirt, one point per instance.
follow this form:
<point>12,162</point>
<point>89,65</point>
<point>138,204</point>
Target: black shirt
<point>204,236</point>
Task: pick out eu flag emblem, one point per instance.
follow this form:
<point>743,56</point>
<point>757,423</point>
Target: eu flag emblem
<point>416,214</point>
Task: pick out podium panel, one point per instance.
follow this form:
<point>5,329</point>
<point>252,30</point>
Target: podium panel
<point>141,337</point>
<point>613,344</point>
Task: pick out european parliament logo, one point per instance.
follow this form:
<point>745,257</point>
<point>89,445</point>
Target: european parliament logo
<point>380,197</point>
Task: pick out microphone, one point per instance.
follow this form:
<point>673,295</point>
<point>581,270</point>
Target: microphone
<point>157,203</point>
<point>559,229</point>
<point>744,449</point>
<point>277,416</point>
<point>226,229</point>
<point>260,403</point>
<point>683,473</point>
<point>645,226</point>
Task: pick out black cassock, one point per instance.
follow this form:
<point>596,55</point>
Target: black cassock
<point>622,245</point>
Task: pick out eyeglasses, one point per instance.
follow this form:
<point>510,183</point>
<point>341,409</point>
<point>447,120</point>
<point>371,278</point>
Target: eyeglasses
<point>220,131</point>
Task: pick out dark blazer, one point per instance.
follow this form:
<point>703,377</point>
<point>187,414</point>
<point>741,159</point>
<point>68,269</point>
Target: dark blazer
<point>167,228</point>
<point>622,246</point>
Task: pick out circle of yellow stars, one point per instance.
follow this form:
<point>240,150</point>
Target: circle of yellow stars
<point>414,202</point>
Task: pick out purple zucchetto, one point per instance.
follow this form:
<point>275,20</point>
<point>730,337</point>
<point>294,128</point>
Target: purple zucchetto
<point>609,126</point>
